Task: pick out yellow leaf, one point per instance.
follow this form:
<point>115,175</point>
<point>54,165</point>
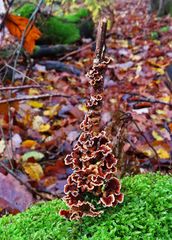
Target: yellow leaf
<point>83,107</point>
<point>162,153</point>
<point>160,112</point>
<point>157,42</point>
<point>157,136</point>
<point>44,127</point>
<point>58,123</point>
<point>2,146</point>
<point>35,104</point>
<point>165,99</point>
<point>124,43</point>
<point>159,70</point>
<point>52,111</point>
<point>49,88</point>
<point>33,91</point>
<point>34,170</point>
<point>148,153</point>
<point>29,144</point>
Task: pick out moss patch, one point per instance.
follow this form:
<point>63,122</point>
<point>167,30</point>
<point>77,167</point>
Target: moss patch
<point>60,29</point>
<point>56,30</point>
<point>145,214</point>
<point>25,10</point>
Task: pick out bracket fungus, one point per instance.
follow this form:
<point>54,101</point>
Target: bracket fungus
<point>93,185</point>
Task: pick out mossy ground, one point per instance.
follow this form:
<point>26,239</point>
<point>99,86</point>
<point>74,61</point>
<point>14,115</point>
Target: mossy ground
<point>145,214</point>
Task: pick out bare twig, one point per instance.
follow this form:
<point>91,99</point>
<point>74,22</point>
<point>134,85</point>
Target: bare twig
<point>24,75</point>
<point>35,97</point>
<point>147,141</point>
<point>29,25</point>
<point>100,41</point>
<point>76,51</point>
<point>150,100</point>
<point>19,87</point>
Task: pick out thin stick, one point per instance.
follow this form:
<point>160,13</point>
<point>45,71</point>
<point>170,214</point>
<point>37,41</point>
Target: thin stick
<point>29,25</point>
<point>147,141</point>
<point>76,51</point>
<point>36,97</point>
<point>24,75</point>
<point>81,49</point>
<point>19,87</point>
<point>150,100</point>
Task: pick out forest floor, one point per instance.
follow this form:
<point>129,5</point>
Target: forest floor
<point>37,134</point>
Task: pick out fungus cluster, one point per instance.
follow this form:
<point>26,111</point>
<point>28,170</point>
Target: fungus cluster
<point>93,185</point>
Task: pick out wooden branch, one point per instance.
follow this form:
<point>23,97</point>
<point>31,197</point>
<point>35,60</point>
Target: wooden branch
<point>100,41</point>
<point>76,51</point>
<point>96,76</point>
<point>19,87</point>
<point>36,97</point>
<point>82,48</point>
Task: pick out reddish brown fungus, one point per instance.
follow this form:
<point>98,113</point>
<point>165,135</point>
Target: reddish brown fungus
<point>94,173</point>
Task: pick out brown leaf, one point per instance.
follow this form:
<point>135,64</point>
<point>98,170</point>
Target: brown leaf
<point>13,195</point>
<point>17,25</point>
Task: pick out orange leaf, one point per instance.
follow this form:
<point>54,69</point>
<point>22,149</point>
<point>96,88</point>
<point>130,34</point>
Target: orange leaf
<point>29,144</point>
<point>17,25</point>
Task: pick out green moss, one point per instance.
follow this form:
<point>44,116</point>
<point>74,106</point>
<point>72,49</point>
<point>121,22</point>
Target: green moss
<point>57,30</point>
<point>146,214</point>
<point>76,17</point>
<point>25,10</point>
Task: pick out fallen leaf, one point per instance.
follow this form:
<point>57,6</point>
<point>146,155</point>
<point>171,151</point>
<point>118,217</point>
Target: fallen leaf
<point>17,27</point>
<point>35,104</point>
<point>157,136</point>
<point>13,194</point>
<point>2,146</point>
<point>162,153</point>
<point>37,122</point>
<point>34,170</point>
<point>52,111</point>
<point>32,154</point>
<point>29,144</point>
<point>72,136</point>
<point>44,128</point>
